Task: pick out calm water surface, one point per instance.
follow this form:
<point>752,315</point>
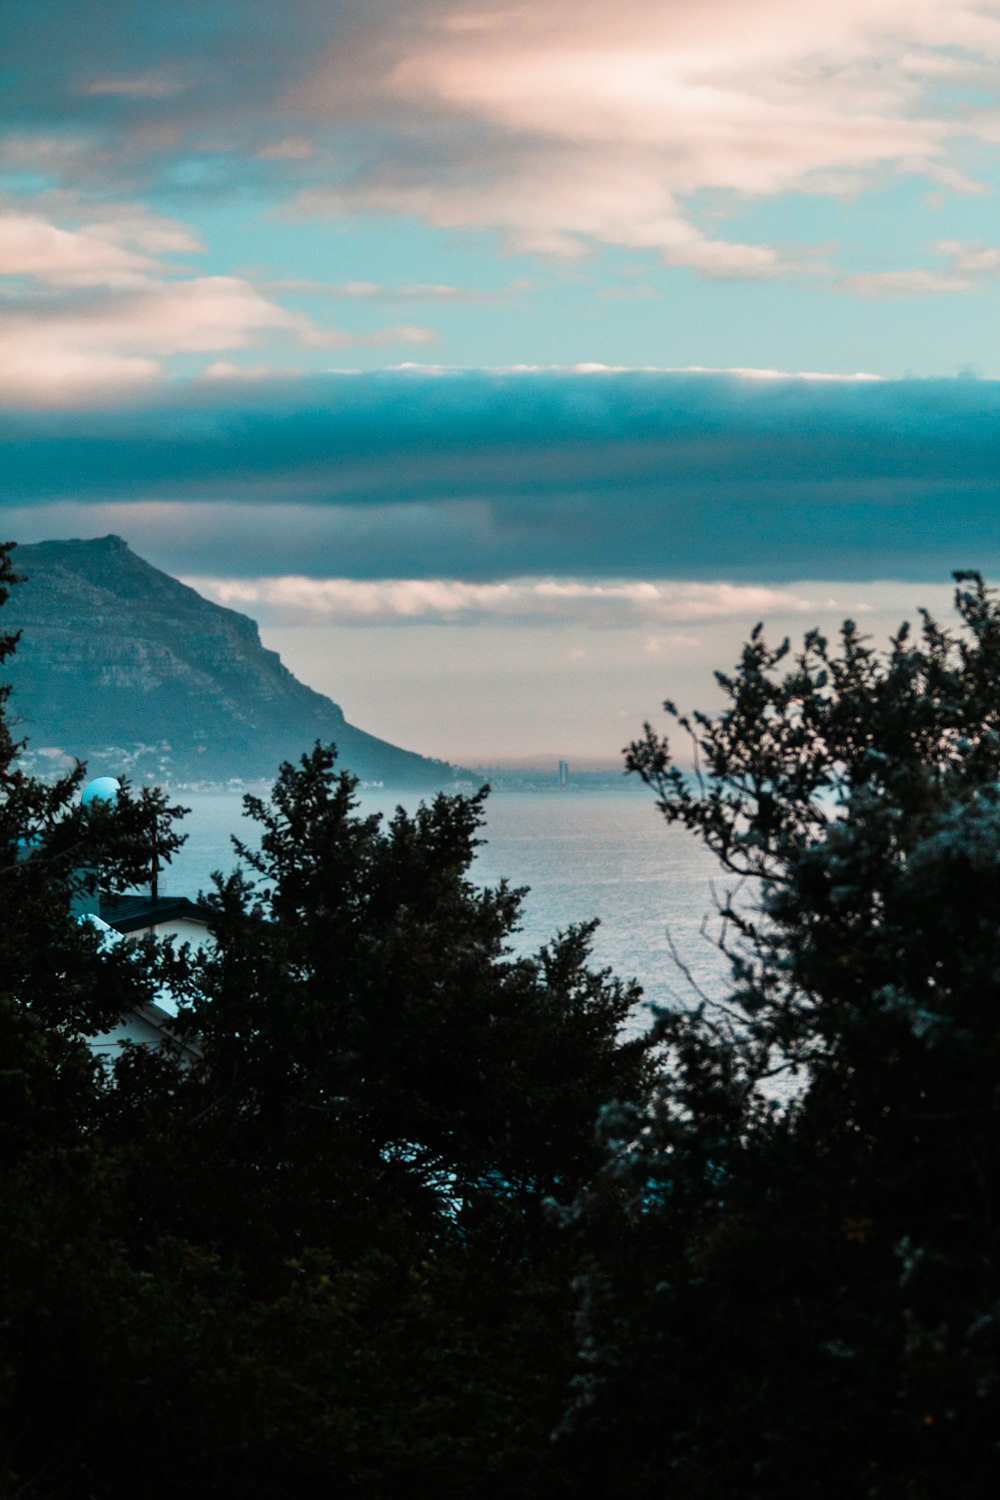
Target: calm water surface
<point>584,854</point>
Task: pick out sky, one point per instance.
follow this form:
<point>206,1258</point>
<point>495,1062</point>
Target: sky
<point>508,362</point>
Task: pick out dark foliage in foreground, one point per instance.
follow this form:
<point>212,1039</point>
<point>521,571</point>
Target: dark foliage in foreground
<point>361,1237</point>
<point>310,1253</point>
<point>804,1299</point>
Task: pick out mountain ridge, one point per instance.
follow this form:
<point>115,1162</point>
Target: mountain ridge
<point>120,662</point>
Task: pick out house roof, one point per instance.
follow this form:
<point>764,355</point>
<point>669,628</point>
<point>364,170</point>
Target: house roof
<point>132,913</point>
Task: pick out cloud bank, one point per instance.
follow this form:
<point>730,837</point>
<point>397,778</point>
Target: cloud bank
<point>407,601</point>
<point>482,476</point>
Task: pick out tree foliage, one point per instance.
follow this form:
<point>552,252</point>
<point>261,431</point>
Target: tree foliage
<point>410,1215</point>
<point>388,979</point>
<point>793,1284</point>
<point>310,1254</point>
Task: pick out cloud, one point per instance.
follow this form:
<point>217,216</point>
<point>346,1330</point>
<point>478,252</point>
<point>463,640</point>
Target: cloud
<point>373,291</point>
<point>637,292</point>
<point>225,369</point>
<point>94,255</point>
<point>559,126</point>
<point>973,259</point>
<point>299,600</point>
<point>159,83</point>
<point>290,148</point>
<point>105,311</point>
<point>913,282</point>
<point>655,645</point>
<point>969,264</point>
<point>66,349</point>
<point>91,350</point>
<point>482,476</point>
<point>557,203</point>
<point>563,125</point>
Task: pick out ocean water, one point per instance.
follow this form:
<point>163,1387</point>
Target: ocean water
<point>582,854</point>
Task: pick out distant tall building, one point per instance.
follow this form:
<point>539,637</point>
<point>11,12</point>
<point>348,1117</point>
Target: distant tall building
<point>564,773</point>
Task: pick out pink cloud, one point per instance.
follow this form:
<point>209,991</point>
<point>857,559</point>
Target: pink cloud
<point>91,347</point>
<point>95,256</point>
<point>567,124</point>
<point>974,259</point>
<point>556,204</point>
<point>968,264</point>
<point>94,348</point>
<point>563,125</point>
<point>912,282</point>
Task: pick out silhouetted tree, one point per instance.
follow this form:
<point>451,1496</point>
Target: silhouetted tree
<point>310,1254</point>
<point>365,974</point>
<point>793,1283</point>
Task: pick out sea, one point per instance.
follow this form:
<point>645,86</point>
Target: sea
<point>605,854</point>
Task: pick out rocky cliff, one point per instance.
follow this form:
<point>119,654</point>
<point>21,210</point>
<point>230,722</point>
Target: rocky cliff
<point>126,668</point>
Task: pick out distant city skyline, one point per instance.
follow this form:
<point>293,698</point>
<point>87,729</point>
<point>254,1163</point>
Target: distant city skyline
<point>508,363</point>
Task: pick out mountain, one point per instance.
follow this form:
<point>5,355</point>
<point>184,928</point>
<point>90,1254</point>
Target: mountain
<point>126,668</point>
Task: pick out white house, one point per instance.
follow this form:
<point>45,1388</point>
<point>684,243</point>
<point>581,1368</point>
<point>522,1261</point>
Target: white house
<point>136,916</point>
<point>124,917</point>
<point>127,917</point>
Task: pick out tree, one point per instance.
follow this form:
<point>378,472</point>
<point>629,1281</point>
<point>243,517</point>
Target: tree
<point>384,1099</point>
<point>793,1283</point>
<point>60,983</point>
<point>313,1255</point>
<point>387,977</point>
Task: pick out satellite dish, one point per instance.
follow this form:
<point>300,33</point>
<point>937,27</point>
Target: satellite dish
<point>102,789</point>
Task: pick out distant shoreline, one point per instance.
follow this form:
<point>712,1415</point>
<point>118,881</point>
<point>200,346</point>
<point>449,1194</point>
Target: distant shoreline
<point>498,788</point>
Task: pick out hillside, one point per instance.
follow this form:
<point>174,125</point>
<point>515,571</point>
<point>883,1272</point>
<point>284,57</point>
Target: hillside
<point>132,671</point>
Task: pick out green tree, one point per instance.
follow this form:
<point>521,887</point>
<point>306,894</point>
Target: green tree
<point>793,1283</point>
